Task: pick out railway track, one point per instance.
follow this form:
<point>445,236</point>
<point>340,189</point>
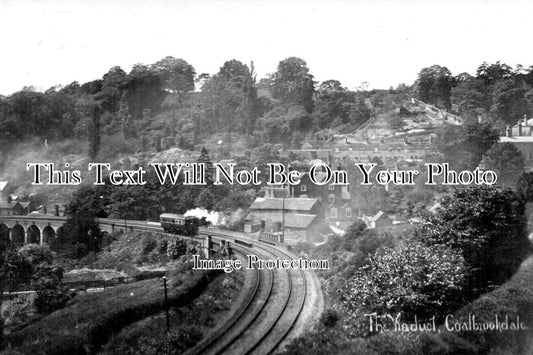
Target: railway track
<point>266,321</point>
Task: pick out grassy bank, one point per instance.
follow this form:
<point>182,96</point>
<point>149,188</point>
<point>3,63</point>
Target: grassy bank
<point>90,319</point>
<point>188,324</point>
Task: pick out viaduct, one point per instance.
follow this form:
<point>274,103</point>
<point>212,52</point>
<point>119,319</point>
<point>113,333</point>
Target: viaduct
<point>41,228</point>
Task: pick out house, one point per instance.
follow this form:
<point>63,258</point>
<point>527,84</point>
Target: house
<point>521,136</point>
<point>336,203</point>
<point>14,208</point>
<point>297,218</point>
<point>4,190</point>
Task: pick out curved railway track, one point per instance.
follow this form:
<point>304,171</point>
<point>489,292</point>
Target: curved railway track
<point>265,323</point>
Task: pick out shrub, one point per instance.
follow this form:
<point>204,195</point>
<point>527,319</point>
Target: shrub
<point>163,245</point>
<point>51,294</point>
<point>176,248</point>
<point>37,253</point>
<point>329,318</point>
<point>149,244</point>
<point>413,279</point>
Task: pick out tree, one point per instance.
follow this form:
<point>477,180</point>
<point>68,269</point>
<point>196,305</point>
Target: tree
<point>525,187</point>
<point>335,106</point>
<point>261,156</point>
<point>506,160</point>
<point>94,132</point>
<point>293,84</point>
<point>206,199</point>
<point>143,90</point>
<point>330,85</point>
<point>492,73</point>
<point>78,236</point>
<point>464,146</point>
<point>230,98</point>
<point>91,200</point>
<point>113,83</point>
<point>509,103</point>
<point>176,75</point>
<point>487,225</point>
<point>434,86</point>
<point>51,293</point>
<point>204,159</point>
<point>471,96</point>
<point>81,232</point>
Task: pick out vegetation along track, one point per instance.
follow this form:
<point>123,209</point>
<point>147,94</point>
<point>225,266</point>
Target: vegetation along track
<point>269,309</point>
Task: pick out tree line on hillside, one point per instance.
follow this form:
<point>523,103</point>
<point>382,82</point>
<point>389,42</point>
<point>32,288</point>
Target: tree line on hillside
<point>497,93</point>
<point>155,106</point>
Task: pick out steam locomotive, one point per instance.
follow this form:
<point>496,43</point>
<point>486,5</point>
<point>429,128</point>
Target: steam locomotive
<point>179,224</point>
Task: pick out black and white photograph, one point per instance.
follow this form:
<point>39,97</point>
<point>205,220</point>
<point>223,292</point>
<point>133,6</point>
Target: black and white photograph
<point>266,177</point>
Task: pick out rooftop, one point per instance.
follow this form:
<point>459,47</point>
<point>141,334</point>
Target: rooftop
<point>295,204</point>
<point>291,220</point>
<point>516,139</point>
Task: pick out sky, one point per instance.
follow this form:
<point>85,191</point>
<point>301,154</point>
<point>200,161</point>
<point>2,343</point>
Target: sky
<point>385,43</point>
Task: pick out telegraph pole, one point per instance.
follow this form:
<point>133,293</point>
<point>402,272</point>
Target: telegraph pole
<point>166,303</point>
<point>283,219</point>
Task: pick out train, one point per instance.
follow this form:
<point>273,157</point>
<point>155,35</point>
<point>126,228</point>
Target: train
<point>179,224</point>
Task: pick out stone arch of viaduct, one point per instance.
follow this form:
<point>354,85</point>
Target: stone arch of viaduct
<point>25,229</point>
<point>43,229</point>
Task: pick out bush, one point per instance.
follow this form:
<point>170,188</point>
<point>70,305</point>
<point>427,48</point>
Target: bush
<point>412,279</point>
<point>149,244</point>
<point>176,248</point>
<point>163,245</point>
<point>37,253</point>
<point>329,318</point>
<point>51,294</point>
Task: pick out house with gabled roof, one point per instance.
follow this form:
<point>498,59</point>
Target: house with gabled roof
<point>297,218</point>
